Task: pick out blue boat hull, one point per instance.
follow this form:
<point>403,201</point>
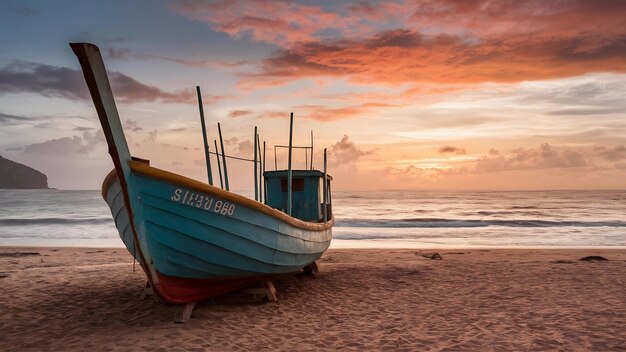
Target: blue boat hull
<point>200,241</point>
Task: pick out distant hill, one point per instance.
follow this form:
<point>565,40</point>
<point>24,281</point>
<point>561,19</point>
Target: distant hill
<point>18,176</point>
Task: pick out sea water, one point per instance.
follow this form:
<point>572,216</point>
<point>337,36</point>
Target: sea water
<point>411,219</point>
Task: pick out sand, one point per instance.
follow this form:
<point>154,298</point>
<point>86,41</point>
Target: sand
<point>491,299</point>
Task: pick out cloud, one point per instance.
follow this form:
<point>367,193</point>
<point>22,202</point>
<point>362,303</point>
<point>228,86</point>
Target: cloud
<point>61,122</point>
<point>245,148</point>
<point>544,157</point>
<point>617,153</point>
<point>451,149</point>
<point>321,113</point>
<point>325,114</point>
<point>277,22</point>
<point>237,113</point>
<point>345,152</point>
<point>132,125</point>
<point>231,141</point>
<point>129,90</point>
<point>584,112</point>
<point>63,82</point>
<point>68,145</point>
<point>274,115</point>
<point>81,128</point>
<point>127,54</point>
<point>442,59</point>
<point>152,136</point>
<point>25,11</point>
<point>12,120</point>
<point>442,42</point>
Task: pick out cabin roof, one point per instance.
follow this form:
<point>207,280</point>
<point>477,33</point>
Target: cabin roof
<point>296,173</point>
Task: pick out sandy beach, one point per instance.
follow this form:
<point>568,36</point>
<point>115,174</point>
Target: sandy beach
<point>376,299</point>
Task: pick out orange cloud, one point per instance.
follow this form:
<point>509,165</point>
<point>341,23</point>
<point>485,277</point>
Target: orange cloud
<point>237,113</point>
<point>278,22</point>
<point>452,149</point>
<point>322,113</point>
<point>404,56</point>
<point>443,42</point>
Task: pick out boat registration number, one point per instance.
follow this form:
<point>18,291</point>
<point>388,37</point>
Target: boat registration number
<point>201,201</point>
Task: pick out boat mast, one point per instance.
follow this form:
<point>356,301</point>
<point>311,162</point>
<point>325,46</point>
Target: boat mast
<point>311,149</point>
<point>264,187</point>
<point>207,156</point>
<point>219,167</point>
<point>256,176</point>
<point>219,129</point>
<point>289,171</point>
<point>261,166</point>
<point>325,189</point>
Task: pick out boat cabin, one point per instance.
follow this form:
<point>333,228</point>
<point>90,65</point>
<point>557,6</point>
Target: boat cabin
<point>307,193</point>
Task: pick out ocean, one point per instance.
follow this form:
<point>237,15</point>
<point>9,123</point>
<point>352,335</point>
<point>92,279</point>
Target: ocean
<point>385,219</point>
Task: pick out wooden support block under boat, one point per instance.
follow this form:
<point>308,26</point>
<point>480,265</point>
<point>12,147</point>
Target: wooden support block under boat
<point>183,313</point>
<point>147,291</point>
<point>267,290</point>
<point>312,269</point>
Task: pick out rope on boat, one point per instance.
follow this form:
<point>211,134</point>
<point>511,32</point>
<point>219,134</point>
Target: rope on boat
<point>234,157</point>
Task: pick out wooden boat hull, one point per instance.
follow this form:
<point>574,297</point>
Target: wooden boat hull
<point>199,241</point>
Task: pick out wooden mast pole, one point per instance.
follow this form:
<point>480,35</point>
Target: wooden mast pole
<point>219,129</point>
<point>219,167</point>
<point>258,143</point>
<point>207,155</point>
<point>264,188</point>
<point>289,171</point>
<point>325,190</point>
<point>311,149</point>
<point>256,176</point>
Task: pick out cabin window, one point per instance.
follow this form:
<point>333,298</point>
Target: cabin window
<point>297,184</point>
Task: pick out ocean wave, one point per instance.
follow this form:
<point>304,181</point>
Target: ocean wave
<point>458,223</point>
<point>53,221</point>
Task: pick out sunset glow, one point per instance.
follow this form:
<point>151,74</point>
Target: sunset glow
<point>445,94</point>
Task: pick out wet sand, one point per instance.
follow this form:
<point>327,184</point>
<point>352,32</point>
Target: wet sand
<point>374,299</point>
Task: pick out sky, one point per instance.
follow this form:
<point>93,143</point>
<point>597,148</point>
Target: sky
<point>424,94</point>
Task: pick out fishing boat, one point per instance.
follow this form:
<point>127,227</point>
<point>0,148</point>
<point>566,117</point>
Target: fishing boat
<point>195,240</point>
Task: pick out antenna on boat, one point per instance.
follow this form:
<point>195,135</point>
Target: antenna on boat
<point>219,129</point>
<point>207,156</point>
<point>289,171</point>
<point>311,149</point>
<point>219,167</point>
<point>325,189</point>
<point>256,180</point>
